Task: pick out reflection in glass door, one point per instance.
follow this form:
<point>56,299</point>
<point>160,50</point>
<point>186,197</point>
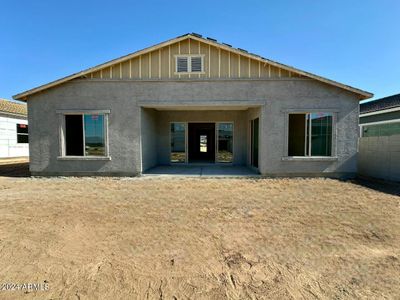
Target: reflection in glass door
<point>178,142</point>
<point>225,142</point>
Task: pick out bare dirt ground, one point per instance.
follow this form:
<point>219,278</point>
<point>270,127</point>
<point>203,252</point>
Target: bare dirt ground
<point>105,238</point>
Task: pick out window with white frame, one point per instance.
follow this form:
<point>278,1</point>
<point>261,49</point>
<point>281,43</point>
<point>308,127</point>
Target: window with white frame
<point>189,63</point>
<point>310,134</point>
<point>85,134</point>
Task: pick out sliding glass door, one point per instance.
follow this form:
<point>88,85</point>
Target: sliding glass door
<point>224,142</point>
<point>178,142</point>
<point>254,136</point>
<point>197,142</point>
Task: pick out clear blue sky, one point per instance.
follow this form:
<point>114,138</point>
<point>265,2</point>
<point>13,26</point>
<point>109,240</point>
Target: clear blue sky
<point>353,42</point>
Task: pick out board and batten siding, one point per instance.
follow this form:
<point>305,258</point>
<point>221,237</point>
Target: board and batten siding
<point>217,63</point>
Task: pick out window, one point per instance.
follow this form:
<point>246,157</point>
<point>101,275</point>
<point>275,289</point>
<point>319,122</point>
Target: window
<point>189,64</point>
<point>384,129</point>
<point>182,64</point>
<point>195,63</point>
<point>178,142</point>
<point>85,135</point>
<point>310,134</point>
<point>225,142</point>
<point>22,134</point>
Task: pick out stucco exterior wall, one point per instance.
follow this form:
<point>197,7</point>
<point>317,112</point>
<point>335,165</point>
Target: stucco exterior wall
<point>149,138</point>
<point>125,99</point>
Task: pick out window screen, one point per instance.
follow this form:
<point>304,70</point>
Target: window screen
<point>321,134</point>
<point>94,135</point>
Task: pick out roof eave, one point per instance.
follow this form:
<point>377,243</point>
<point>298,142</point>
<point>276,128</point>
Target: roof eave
<point>363,95</point>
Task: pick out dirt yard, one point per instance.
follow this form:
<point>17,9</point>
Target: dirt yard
<point>99,238</point>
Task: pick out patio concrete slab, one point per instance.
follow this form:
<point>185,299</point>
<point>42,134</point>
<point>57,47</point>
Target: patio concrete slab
<point>202,171</point>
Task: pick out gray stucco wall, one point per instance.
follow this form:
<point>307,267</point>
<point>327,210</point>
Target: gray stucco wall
<point>126,120</point>
<point>149,138</point>
<point>274,133</point>
<point>379,157</point>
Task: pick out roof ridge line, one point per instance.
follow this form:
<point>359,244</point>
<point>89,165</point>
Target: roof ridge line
<point>22,96</point>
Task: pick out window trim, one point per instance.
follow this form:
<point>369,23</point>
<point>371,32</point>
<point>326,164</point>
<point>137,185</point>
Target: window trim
<point>62,148</point>
<point>189,63</point>
<point>24,134</point>
<point>332,157</point>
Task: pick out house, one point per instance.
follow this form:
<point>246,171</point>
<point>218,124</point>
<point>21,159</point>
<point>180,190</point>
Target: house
<point>380,117</point>
<point>379,151</point>
<point>13,129</point>
<point>193,100</point>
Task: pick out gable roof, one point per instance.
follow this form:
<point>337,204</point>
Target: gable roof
<point>12,108</point>
<point>380,104</point>
<point>361,94</point>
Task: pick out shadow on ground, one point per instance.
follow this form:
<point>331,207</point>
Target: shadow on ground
<point>388,187</point>
<point>15,170</point>
<point>22,170</point>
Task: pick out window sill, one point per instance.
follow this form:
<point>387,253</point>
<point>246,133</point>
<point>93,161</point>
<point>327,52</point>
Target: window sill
<point>309,158</point>
<point>189,73</point>
<point>84,158</point>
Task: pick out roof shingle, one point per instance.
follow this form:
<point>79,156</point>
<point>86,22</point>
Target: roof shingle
<point>10,107</point>
<point>380,104</point>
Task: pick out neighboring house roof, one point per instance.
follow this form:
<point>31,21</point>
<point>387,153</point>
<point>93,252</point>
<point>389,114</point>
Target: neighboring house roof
<point>12,108</point>
<point>380,104</point>
<point>361,94</point>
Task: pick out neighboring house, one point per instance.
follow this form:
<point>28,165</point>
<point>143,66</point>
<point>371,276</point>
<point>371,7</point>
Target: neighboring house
<point>380,117</point>
<point>379,152</point>
<point>13,129</point>
<point>193,100</point>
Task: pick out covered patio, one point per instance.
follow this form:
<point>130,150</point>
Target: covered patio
<point>202,138</point>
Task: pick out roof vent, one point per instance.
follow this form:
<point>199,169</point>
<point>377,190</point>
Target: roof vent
<point>211,39</point>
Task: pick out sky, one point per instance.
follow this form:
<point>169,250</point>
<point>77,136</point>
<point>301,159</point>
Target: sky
<point>354,42</point>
